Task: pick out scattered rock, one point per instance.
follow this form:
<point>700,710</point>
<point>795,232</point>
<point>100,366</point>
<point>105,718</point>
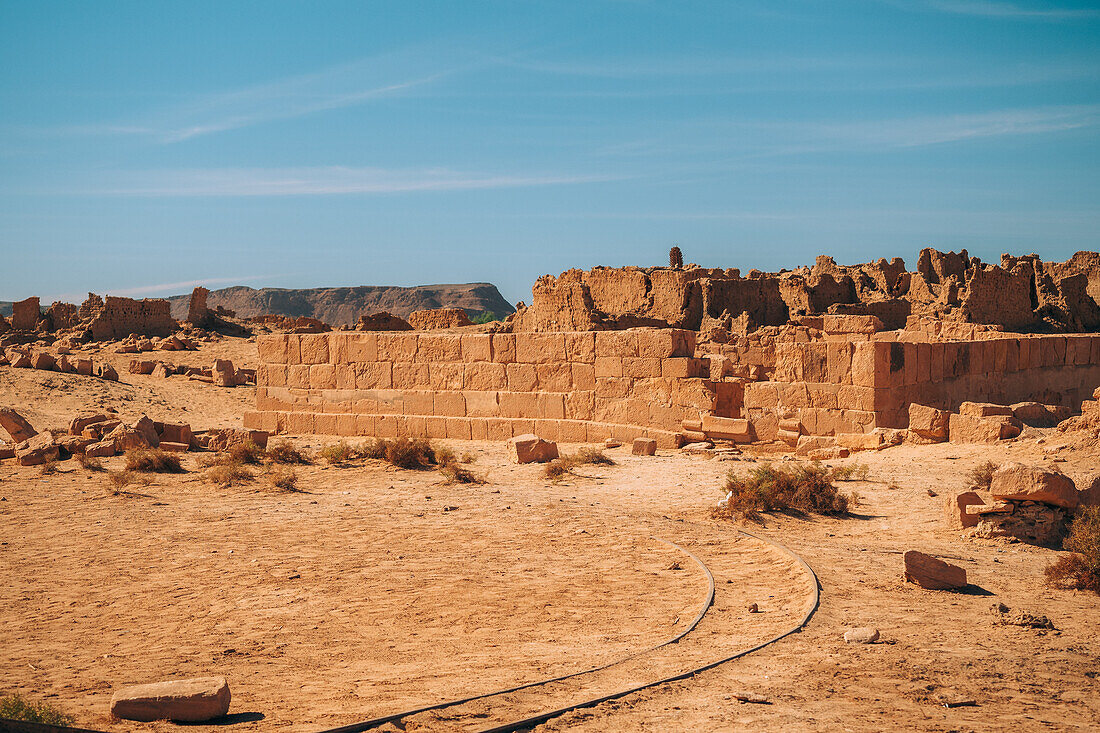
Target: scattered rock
<point>931,573</point>
<point>612,443</point>
<point>15,425</point>
<point>531,448</point>
<point>955,509</point>
<point>861,635</point>
<point>37,450</point>
<point>928,422</point>
<point>754,608</point>
<point>644,447</point>
<point>192,700</point>
<point>1004,616</point>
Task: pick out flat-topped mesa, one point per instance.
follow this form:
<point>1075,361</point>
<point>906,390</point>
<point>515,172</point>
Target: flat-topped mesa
<point>1020,294</point>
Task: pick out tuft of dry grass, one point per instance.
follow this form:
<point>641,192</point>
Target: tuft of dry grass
<point>456,473</point>
<point>14,707</point>
<point>443,455</point>
<point>153,460</point>
<point>48,468</point>
<point>283,478</point>
<point>337,454</point>
<point>850,472</point>
<point>559,468</point>
<point>284,452</point>
<point>1081,568</point>
<point>981,475</point>
<point>122,479</point>
<point>90,463</point>
<point>247,453</point>
<point>806,489</point>
<point>228,474</point>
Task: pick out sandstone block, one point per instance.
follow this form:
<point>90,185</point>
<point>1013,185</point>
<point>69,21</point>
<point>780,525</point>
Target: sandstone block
<point>1091,495</point>
<point>928,422</point>
<point>192,700</point>
<point>141,366</point>
<point>37,450</point>
<point>1017,482</point>
<point>175,433</point>
<point>174,447</point>
<point>932,573</point>
<point>148,431</point>
<point>83,367</point>
<point>106,371</point>
<point>127,438</point>
<point>955,509</point>
<point>861,635</point>
<point>1039,415</point>
<point>15,425</point>
<point>43,360</point>
<point>644,447</point>
<point>6,450</point>
<point>727,428</point>
<point>531,449</point>
<point>983,409</point>
<point>83,420</point>
<point>967,429</point>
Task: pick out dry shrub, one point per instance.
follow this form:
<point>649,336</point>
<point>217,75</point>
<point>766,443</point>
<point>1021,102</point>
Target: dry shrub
<point>469,457</point>
<point>228,474</point>
<point>373,449</point>
<point>410,453</point>
<point>49,467</point>
<point>91,463</point>
<point>443,454</point>
<point>284,452</point>
<point>247,453</point>
<point>850,472</point>
<point>153,460</point>
<point>807,489</point>
<point>559,468</point>
<point>283,478</point>
<point>456,473</point>
<point>981,475</point>
<point>13,707</point>
<point>1081,568</point>
<point>337,454</point>
<point>122,479</point>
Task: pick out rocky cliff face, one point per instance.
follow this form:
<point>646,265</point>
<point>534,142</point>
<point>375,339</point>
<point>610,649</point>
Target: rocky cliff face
<point>1018,294</point>
<point>338,306</point>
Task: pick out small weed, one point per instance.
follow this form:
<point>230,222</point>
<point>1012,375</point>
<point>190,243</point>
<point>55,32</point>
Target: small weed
<point>456,473</point>
<point>410,453</point>
<point>1081,568</point>
<point>49,467</point>
<point>14,707</point>
<point>283,478</point>
<point>153,460</point>
<point>556,470</point>
<point>981,475</point>
<point>122,479</point>
<point>559,468</point>
<point>228,474</point>
<point>469,457</point>
<point>443,455</point>
<point>850,472</point>
<point>805,489</point>
<point>247,453</point>
<point>373,449</point>
<point>285,452</point>
<point>337,454</point>
<point>90,463</point>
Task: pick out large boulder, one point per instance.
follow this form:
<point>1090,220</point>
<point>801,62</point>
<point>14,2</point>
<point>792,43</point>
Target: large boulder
<point>1091,495</point>
<point>932,573</point>
<point>531,449</point>
<point>1038,415</point>
<point>148,431</point>
<point>928,422</point>
<point>191,701</point>
<point>1017,482</point>
<point>38,450</point>
<point>15,425</point>
<point>83,420</point>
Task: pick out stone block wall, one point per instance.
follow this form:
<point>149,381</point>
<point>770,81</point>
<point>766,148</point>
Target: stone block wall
<point>566,386</point>
<point>120,317</point>
<point>845,387</point>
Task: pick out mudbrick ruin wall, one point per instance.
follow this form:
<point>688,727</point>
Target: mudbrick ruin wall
<point>572,387</point>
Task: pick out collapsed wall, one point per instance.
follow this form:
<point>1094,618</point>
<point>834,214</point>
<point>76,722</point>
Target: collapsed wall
<point>116,318</point>
<point>1020,294</point>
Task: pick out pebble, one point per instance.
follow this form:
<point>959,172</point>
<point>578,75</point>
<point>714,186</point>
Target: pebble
<point>754,608</point>
<point>861,635</point>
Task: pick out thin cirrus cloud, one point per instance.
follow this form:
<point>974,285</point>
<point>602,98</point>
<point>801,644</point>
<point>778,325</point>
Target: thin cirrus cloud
<point>314,181</point>
<point>1006,10</point>
<point>163,288</point>
<point>336,87</point>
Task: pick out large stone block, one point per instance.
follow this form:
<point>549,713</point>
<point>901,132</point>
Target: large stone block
<point>983,409</point>
<point>725,428</point>
<point>955,509</point>
<point>192,700</point>
<point>928,422</point>
<point>968,429</point>
<point>15,425</point>
<point>539,348</point>
<point>531,448</point>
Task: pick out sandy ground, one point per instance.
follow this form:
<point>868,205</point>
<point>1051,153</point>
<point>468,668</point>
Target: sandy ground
<point>374,590</point>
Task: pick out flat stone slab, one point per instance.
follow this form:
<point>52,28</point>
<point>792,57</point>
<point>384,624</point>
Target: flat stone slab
<point>192,700</point>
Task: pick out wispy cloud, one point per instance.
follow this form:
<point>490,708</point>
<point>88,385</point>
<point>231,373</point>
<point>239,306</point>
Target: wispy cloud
<point>336,87</point>
<point>164,288</point>
<point>993,9</point>
<point>313,181</point>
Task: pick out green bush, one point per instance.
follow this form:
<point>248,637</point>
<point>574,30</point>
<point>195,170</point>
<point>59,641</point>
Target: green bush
<point>13,707</point>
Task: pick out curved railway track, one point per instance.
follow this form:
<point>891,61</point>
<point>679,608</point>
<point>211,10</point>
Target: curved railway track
<point>542,717</point>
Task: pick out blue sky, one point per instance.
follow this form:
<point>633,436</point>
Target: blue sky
<point>146,147</point>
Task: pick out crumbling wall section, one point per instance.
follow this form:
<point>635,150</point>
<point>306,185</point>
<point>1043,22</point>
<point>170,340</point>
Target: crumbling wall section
<point>119,317</point>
